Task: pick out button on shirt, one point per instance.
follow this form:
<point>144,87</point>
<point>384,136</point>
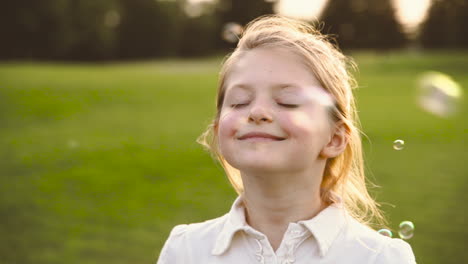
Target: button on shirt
<point>332,236</point>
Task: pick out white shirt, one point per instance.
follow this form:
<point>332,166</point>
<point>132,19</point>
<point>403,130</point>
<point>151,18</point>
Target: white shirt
<point>332,236</point>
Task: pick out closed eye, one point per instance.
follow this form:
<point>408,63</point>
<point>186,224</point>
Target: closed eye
<point>238,105</point>
<point>289,105</point>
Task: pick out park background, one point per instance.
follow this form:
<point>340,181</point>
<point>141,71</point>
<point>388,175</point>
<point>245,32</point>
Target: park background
<point>101,103</point>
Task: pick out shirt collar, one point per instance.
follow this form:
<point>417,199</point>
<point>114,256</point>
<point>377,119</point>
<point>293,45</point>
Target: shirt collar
<point>325,226</point>
<point>235,222</point>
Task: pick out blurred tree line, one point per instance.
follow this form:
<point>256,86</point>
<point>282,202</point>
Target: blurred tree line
<point>446,25</point>
<point>135,29</point>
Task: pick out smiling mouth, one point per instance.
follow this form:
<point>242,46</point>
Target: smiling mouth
<point>261,139</point>
<point>260,136</point>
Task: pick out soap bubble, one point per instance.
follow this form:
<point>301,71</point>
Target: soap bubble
<point>398,144</point>
<point>231,32</point>
<point>439,94</point>
<point>385,232</point>
<point>112,19</point>
<point>406,230</point>
<point>193,9</point>
<point>72,144</point>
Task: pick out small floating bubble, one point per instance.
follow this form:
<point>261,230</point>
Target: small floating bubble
<point>72,144</point>
<point>406,230</point>
<point>231,32</point>
<point>385,232</point>
<point>439,94</point>
<point>112,19</point>
<point>398,144</point>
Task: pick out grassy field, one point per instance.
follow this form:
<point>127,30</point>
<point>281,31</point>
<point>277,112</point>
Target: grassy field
<point>99,162</point>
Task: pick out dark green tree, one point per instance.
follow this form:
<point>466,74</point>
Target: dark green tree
<point>30,29</point>
<point>88,30</point>
<point>243,11</point>
<point>56,29</point>
<point>446,25</point>
<point>144,29</point>
<point>363,24</point>
<point>198,29</point>
<point>199,36</point>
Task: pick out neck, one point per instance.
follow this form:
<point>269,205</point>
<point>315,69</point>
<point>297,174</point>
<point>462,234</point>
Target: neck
<point>273,201</point>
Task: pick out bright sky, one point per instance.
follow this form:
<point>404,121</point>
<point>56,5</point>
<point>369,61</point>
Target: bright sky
<point>409,12</point>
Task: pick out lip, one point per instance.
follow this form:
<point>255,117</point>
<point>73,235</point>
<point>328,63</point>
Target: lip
<point>261,136</point>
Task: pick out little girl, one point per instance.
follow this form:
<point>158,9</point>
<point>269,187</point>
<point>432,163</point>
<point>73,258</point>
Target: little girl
<point>286,133</point>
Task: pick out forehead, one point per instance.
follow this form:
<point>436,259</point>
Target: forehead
<point>278,68</point>
<point>279,87</point>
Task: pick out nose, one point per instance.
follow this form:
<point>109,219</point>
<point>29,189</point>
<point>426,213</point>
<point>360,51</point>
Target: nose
<point>260,113</point>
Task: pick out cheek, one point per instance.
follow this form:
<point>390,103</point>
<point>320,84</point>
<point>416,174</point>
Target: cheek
<point>297,124</point>
<point>305,125</point>
<point>227,125</point>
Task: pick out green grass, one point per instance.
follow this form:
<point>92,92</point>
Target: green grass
<point>99,162</point>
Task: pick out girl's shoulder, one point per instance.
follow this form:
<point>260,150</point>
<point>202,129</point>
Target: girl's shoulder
<point>384,248</point>
<point>187,240</point>
<point>200,230</point>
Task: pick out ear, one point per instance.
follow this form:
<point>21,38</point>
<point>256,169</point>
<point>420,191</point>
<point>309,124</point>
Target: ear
<point>338,141</point>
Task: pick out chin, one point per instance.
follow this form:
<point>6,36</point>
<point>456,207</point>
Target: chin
<point>260,165</point>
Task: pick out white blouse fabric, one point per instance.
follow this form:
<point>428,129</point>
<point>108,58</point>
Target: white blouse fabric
<point>332,236</point>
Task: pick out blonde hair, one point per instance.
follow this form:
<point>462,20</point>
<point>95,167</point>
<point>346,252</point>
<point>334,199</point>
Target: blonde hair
<point>344,174</point>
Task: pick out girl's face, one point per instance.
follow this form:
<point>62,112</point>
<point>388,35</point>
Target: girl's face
<point>274,115</point>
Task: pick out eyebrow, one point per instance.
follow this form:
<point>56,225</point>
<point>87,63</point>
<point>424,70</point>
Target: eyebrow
<point>280,86</point>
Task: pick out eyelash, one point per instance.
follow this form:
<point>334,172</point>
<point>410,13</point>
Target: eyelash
<point>238,105</point>
<point>283,105</point>
<point>289,105</point>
